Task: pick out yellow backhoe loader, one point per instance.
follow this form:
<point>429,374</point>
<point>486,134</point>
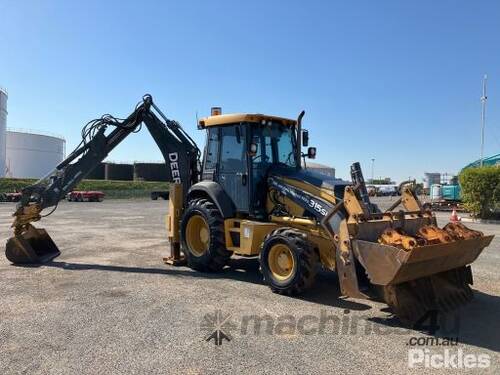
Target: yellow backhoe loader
<point>249,194</point>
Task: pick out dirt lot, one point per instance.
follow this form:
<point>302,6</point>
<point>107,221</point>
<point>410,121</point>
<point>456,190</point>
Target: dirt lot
<point>109,305</point>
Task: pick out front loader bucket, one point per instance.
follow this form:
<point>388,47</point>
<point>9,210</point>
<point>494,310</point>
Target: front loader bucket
<point>388,265</point>
<point>424,279</point>
<point>32,246</point>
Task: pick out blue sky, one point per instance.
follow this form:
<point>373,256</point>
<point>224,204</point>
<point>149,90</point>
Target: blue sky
<point>398,81</point>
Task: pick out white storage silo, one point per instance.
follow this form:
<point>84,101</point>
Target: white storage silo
<point>32,155</point>
<point>431,179</point>
<point>3,130</point>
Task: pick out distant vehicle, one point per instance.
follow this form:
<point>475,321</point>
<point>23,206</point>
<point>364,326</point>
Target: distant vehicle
<point>387,190</point>
<point>451,193</point>
<point>372,190</point>
<point>412,184</point>
<point>85,196</point>
<point>10,197</point>
<point>382,190</point>
<point>445,198</point>
<point>159,194</point>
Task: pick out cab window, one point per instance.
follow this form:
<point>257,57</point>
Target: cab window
<point>233,149</point>
<point>276,144</point>
<point>285,141</point>
<point>212,151</point>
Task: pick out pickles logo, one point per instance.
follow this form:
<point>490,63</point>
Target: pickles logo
<point>219,327</point>
<point>448,358</point>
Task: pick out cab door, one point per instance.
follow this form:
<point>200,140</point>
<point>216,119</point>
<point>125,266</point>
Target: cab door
<point>233,170</point>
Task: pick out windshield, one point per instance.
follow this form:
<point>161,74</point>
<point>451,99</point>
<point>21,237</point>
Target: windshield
<point>285,142</point>
<point>275,145</point>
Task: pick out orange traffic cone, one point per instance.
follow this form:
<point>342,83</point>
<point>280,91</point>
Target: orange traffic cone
<point>454,217</point>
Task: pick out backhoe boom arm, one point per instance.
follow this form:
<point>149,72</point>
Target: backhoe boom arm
<point>179,151</point>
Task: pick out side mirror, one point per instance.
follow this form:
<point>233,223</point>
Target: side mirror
<point>311,152</point>
<point>305,138</point>
<point>252,150</point>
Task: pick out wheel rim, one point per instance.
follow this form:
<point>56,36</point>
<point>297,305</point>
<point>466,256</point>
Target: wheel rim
<point>281,262</point>
<point>197,235</point>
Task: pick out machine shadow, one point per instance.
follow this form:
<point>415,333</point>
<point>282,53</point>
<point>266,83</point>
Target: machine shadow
<point>475,324</point>
<point>326,290</point>
<point>241,270</point>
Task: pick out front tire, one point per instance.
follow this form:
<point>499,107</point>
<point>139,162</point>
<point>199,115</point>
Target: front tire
<point>202,236</point>
<point>288,262</point>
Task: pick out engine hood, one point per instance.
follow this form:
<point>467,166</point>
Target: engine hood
<point>305,178</point>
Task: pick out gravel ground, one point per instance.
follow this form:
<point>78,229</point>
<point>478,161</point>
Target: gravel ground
<point>109,305</point>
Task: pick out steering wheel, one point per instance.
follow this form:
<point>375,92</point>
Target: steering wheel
<point>288,157</point>
<point>263,158</point>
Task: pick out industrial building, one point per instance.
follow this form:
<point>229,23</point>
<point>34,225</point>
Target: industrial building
<point>321,168</point>
<point>138,171</point>
<point>431,178</point>
<point>98,173</point>
<point>150,172</point>
<point>487,161</point>
<point>157,171</point>
<point>118,171</point>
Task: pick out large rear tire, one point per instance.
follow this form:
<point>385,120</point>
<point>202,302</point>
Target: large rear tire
<point>288,262</point>
<point>202,236</point>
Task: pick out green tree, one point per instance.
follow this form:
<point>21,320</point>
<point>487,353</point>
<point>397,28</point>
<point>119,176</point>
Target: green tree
<point>481,190</point>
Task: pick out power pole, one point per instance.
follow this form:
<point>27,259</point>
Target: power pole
<point>484,98</point>
<point>373,169</point>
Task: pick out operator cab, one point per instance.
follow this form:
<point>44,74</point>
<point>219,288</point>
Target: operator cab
<point>240,151</point>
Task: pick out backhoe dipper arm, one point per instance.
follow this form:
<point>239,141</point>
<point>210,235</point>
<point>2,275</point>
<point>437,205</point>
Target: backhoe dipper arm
<point>179,151</point>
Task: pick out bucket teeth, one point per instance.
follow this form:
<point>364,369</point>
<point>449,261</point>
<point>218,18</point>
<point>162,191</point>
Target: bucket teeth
<point>451,289</point>
<point>443,292</point>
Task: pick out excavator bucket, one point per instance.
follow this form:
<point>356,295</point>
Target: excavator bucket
<point>31,246</point>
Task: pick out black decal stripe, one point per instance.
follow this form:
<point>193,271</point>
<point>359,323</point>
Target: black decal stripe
<point>320,207</point>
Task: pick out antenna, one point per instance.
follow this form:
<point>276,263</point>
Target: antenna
<point>484,98</point>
